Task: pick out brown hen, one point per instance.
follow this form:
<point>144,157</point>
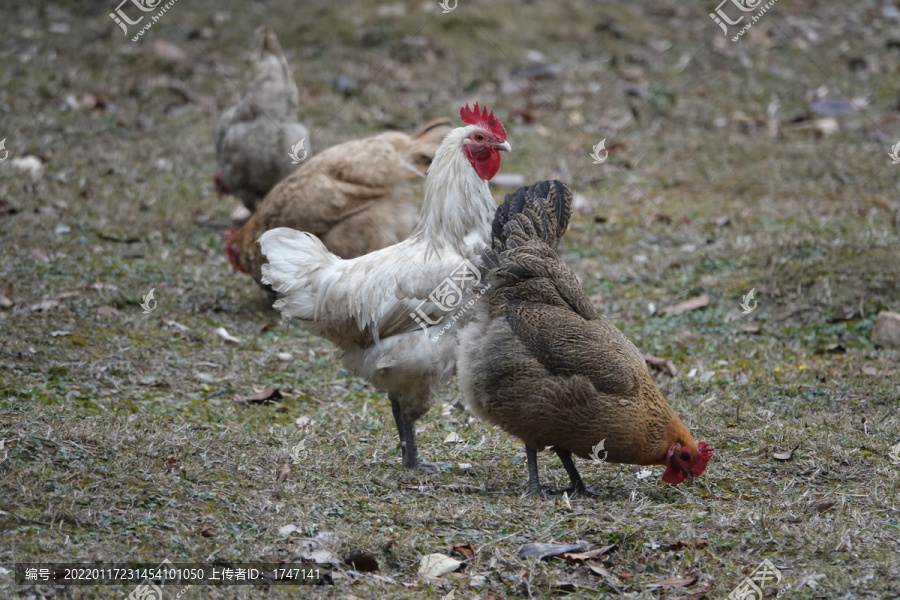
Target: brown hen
<point>356,197</point>
<point>538,361</point>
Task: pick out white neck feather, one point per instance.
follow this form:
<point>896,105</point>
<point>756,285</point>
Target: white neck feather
<point>458,208</point>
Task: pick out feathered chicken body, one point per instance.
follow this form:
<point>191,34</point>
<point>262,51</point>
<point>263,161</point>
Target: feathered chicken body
<point>356,197</point>
<point>255,137</point>
<point>538,361</point>
<point>367,305</point>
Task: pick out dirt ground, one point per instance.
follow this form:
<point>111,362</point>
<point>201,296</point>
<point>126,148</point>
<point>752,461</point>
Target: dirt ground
<point>760,163</point>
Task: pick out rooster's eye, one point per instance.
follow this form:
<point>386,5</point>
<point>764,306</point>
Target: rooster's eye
<point>479,137</point>
<point>685,456</point>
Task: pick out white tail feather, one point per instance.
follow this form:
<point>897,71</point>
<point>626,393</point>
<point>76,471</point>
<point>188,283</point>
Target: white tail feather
<point>296,260</point>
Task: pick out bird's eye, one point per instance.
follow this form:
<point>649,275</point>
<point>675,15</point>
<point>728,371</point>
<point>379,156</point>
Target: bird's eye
<point>479,137</point>
<point>685,456</point>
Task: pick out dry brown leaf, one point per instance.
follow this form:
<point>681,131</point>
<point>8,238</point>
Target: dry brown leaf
<point>465,549</point>
<point>681,545</point>
<point>672,582</point>
<point>107,311</point>
<point>362,562</point>
<point>282,472</point>
<point>171,464</point>
<point>869,371</point>
<point>204,531</point>
<point>719,220</point>
<point>658,217</point>
<point>786,455</point>
<point>661,364</point>
<point>697,302</point>
<point>582,556</point>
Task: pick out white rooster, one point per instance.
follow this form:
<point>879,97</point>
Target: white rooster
<point>388,310</point>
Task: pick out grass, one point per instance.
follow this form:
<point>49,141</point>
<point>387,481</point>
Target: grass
<point>123,439</point>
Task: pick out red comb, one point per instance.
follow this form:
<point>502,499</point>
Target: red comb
<point>703,456</point>
<point>474,117</point>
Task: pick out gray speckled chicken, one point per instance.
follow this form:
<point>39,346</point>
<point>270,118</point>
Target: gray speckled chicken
<point>255,137</point>
<point>538,361</point>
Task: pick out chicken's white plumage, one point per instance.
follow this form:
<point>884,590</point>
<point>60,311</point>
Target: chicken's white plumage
<point>365,305</point>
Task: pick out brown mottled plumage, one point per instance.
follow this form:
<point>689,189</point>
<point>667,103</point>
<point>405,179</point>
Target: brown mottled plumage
<point>538,361</point>
<point>356,197</point>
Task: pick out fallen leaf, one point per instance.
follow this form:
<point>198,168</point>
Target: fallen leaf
<point>672,582</point>
<point>302,422</point>
<point>539,550</point>
<point>869,371</point>
<point>107,311</point>
<point>823,506</point>
<point>166,322</point>
<point>437,565</point>
<point>223,333</point>
<point>452,438</point>
<point>786,455</point>
<point>285,356</point>
<point>168,51</point>
<point>719,220</point>
<point>282,472</point>
<point>626,576</point>
<point>583,556</point>
<point>362,562</point>
<point>697,302</point>
<point>171,464</point>
<point>5,302</point>
<point>661,364</point>
<point>287,530</point>
<point>465,549</point>
<point>265,397</point>
<point>204,531</point>
<point>681,545</point>
<point>597,567</point>
<point>60,333</point>
<point>658,217</point>
<point>317,549</point>
<point>750,329</point>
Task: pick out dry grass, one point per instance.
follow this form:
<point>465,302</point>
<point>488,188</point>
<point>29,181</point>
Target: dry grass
<point>90,418</point>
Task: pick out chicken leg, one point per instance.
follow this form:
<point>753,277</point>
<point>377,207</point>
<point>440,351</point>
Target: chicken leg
<point>576,489</point>
<point>406,430</point>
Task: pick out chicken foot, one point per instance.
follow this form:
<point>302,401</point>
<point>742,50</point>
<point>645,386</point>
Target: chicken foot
<point>406,430</point>
<point>534,485</point>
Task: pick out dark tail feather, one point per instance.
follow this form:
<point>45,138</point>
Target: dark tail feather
<point>540,210</point>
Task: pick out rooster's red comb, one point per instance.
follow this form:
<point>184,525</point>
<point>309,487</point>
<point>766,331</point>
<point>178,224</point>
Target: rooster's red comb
<point>474,117</point>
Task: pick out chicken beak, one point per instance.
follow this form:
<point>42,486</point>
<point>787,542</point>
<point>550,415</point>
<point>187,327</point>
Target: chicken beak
<point>504,146</point>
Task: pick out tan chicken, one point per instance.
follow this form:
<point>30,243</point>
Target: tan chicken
<point>356,197</point>
<point>255,138</point>
<point>538,361</point>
